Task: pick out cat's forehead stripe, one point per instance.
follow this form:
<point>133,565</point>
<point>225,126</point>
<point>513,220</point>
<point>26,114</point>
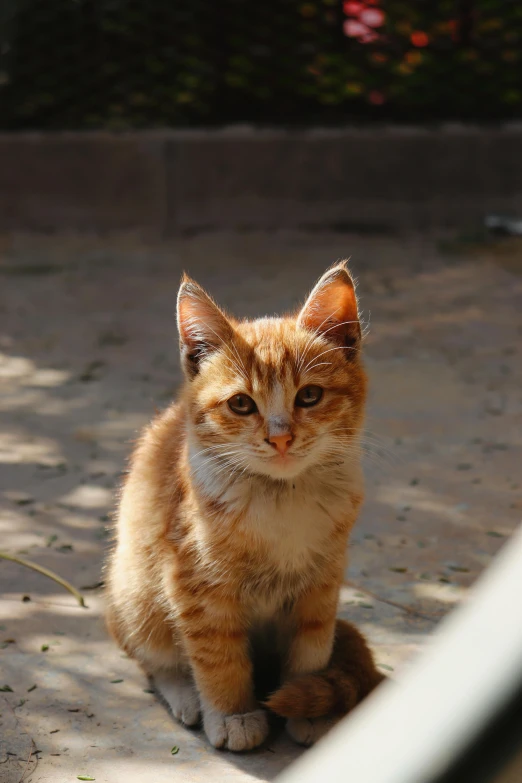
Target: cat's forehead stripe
<point>273,367</point>
<point>275,345</point>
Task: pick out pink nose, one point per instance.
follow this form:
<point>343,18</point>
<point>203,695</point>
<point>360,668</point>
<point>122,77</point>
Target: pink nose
<point>281,442</point>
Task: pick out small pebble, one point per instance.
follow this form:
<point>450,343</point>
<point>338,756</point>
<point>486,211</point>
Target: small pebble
<point>20,498</point>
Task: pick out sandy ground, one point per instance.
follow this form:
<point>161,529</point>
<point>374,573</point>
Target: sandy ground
<point>88,353</point>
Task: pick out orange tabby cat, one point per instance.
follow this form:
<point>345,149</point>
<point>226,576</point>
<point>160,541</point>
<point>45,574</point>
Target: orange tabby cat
<point>234,519</point>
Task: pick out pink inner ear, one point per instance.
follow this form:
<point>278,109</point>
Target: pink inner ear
<point>189,319</point>
<point>332,303</point>
<point>200,321</point>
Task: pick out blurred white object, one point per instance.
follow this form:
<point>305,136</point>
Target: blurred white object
<point>504,225</point>
<point>418,730</point>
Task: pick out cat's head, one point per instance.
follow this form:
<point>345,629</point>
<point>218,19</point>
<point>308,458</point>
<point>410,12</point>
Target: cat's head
<point>274,396</point>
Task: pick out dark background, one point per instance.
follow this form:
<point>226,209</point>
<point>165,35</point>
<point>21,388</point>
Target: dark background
<point>120,64</point>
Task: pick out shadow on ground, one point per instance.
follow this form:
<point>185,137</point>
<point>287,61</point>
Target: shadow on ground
<point>88,353</point>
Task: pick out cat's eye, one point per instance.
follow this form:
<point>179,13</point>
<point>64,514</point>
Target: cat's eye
<point>308,396</point>
<point>242,404</point>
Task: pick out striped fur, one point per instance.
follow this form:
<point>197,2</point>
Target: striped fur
<point>219,537</point>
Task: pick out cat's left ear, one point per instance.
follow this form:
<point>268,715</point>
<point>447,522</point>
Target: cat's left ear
<point>202,326</point>
<point>331,309</point>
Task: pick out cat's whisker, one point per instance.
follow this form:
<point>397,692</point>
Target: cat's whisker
<point>214,463</point>
<point>366,325</point>
<point>371,457</point>
<point>208,459</point>
<point>328,350</point>
<point>224,459</point>
<point>209,448</point>
<point>337,325</point>
<point>366,435</point>
<point>314,335</point>
<point>215,447</point>
<point>226,455</point>
<point>370,448</point>
<point>324,332</point>
<point>239,358</point>
<point>346,440</point>
<point>366,439</point>
<point>321,364</point>
<point>235,365</point>
<point>379,450</point>
<point>226,348</point>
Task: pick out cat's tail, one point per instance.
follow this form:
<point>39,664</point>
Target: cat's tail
<point>349,677</point>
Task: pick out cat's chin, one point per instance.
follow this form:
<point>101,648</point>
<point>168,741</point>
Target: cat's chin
<point>282,467</point>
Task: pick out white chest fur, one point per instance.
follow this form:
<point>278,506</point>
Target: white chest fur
<point>294,519</point>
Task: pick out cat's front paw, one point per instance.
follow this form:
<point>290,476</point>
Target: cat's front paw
<point>181,697</point>
<point>306,731</point>
<point>236,732</point>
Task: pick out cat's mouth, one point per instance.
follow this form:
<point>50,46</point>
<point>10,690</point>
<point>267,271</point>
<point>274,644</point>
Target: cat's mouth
<point>283,460</point>
<point>280,466</point>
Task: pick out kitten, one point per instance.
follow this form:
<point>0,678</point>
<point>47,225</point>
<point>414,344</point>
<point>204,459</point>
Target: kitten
<point>235,515</point>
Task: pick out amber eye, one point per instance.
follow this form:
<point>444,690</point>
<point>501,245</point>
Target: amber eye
<point>308,396</point>
<point>242,404</point>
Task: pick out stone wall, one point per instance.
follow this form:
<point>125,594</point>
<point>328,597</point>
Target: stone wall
<point>165,182</point>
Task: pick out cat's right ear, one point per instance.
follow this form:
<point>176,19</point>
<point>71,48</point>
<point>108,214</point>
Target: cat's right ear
<point>201,324</point>
<point>331,309</point>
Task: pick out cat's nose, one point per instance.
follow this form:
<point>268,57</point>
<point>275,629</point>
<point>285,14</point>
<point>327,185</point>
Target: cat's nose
<point>281,442</point>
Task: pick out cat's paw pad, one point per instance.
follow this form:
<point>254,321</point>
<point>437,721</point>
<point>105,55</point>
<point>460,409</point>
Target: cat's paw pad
<point>306,731</point>
<point>236,732</point>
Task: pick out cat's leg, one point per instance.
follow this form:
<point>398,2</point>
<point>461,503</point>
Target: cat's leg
<point>178,691</point>
<point>313,620</point>
<point>165,662</point>
<point>217,644</point>
<point>314,617</point>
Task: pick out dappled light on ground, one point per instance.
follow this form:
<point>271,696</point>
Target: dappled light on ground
<point>88,353</point>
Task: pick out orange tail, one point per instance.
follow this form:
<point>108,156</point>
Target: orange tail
<point>349,677</point>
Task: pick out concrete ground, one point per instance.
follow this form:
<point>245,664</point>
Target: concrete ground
<point>89,352</point>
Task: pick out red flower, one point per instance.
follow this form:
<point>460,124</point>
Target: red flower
<point>352,8</point>
<point>373,17</point>
<point>354,29</point>
<point>419,38</point>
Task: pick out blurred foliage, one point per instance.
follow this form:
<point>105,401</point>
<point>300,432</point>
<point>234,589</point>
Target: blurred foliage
<point>121,64</point>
